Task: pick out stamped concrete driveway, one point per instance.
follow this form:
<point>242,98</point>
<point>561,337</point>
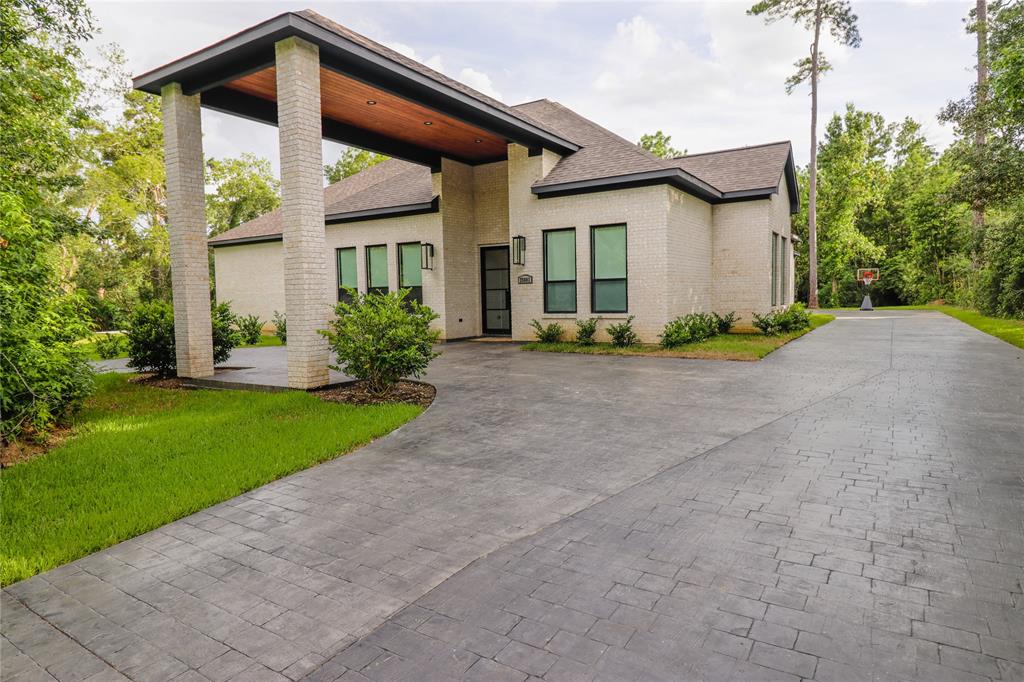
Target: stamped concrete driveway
<point>849,508</point>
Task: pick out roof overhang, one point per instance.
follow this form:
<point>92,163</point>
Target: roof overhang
<point>211,71</point>
<point>792,184</point>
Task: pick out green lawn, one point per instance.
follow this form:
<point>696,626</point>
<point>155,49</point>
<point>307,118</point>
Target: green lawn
<point>140,457</point>
<point>265,340</point>
<point>1009,330</point>
<point>732,346</point>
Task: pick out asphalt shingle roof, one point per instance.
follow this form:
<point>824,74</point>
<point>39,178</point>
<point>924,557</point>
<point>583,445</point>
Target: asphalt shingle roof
<point>603,154</point>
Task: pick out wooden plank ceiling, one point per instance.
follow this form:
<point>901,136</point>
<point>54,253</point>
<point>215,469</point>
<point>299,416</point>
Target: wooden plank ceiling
<point>355,103</point>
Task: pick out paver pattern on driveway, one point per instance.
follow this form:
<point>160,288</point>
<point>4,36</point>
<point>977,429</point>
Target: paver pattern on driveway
<point>849,508</point>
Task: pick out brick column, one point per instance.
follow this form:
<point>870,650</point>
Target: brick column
<point>302,210</point>
<point>186,218</point>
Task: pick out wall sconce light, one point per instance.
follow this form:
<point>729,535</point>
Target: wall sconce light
<point>519,250</point>
<point>426,256</point>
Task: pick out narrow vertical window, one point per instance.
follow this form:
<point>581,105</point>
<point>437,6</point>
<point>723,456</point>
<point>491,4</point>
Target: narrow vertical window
<point>410,276</point>
<point>560,271</point>
<point>784,269</point>
<point>775,269</point>
<point>347,277</point>
<point>608,289</point>
<point>377,269</point>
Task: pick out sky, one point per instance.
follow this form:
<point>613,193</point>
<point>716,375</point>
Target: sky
<point>703,72</point>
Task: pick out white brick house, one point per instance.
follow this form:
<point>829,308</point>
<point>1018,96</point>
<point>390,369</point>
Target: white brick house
<point>493,215</point>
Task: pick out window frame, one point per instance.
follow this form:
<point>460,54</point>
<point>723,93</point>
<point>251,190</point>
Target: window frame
<point>342,295</point>
<point>775,269</point>
<point>783,271</point>
<point>414,295</point>
<point>369,271</point>
<point>574,280</point>
<point>593,267</point>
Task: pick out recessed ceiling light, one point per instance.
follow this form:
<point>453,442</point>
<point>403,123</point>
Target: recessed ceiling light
<point>478,140</point>
<point>428,123</point>
<point>371,102</point>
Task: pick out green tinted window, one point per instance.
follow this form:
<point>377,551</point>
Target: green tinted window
<point>377,267</point>
<point>560,271</point>
<point>410,274</point>
<point>610,252</point>
<point>347,268</point>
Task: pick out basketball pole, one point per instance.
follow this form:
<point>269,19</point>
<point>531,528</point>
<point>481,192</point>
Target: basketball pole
<point>867,278</point>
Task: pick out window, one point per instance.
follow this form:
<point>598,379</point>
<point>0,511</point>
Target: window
<point>775,269</point>
<point>608,269</point>
<point>377,269</point>
<point>347,278</point>
<point>784,269</point>
<point>410,276</point>
<point>560,270</point>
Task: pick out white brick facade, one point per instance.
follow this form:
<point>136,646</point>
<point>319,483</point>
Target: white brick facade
<point>683,254</point>
<point>186,218</point>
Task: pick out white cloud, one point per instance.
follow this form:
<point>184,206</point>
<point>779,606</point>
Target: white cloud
<point>478,81</point>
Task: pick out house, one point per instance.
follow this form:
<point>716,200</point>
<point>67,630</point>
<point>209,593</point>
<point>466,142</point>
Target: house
<point>492,215</point>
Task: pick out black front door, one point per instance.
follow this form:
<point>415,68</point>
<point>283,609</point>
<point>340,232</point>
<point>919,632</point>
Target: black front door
<point>494,280</point>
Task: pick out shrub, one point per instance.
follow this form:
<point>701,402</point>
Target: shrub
<point>250,327</point>
<point>724,322</point>
<point>791,319</point>
<point>622,333</point>
<point>692,328</point>
<point>225,337</point>
<point>382,338</point>
<point>109,346</point>
<point>551,333</point>
<point>151,337</point>
<point>280,326</point>
<point>44,375</point>
<point>585,331</point>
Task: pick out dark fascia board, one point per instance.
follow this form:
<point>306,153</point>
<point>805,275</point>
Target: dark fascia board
<point>792,186</point>
<point>671,176</point>
<point>254,47</point>
<point>432,206</point>
<point>245,240</point>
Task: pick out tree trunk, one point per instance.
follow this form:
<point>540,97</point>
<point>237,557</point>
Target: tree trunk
<point>812,189</point>
<point>981,19</point>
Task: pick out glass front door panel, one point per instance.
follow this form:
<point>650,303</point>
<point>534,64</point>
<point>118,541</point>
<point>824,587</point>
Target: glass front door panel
<point>497,317</point>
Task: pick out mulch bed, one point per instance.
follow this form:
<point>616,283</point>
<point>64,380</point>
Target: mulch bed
<point>159,382</point>
<point>356,393</point>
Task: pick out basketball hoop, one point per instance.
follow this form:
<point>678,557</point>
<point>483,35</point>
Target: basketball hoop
<point>867,276</point>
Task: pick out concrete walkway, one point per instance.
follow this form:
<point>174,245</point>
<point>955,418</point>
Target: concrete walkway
<point>851,507</point>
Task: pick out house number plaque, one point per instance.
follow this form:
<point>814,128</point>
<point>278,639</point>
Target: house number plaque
<point>526,279</point>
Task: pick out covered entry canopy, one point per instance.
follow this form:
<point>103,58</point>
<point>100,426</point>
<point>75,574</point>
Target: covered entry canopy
<point>371,96</point>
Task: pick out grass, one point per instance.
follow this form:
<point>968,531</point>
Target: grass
<point>731,346</point>
<point>265,340</point>
<point>139,457</point>
<point>1009,330</point>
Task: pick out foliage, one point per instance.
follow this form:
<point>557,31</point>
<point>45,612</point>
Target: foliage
<point>250,327</point>
<point>691,328</point>
<point>547,334</point>
<point>585,331</point>
<point>243,189</point>
<point>151,337</point>
<point>659,144</point>
<point>382,338</point>
<point>44,374</point>
<point>791,319</point>
<point>1000,288</point>
<point>140,457</point>
<point>280,322</point>
<point>109,346</point>
<point>350,162</point>
<point>225,335</point>
<point>725,322</point>
<point>622,333</point>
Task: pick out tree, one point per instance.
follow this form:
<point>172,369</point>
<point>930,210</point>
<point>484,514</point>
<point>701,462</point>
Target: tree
<point>838,19</point>
<point>350,162</point>
<point>243,189</point>
<point>658,143</point>
<point>43,374</point>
